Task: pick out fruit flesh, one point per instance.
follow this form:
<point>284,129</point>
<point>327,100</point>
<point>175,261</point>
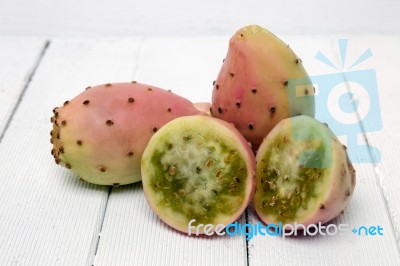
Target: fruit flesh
<point>303,174</point>
<point>198,168</point>
<point>251,90</point>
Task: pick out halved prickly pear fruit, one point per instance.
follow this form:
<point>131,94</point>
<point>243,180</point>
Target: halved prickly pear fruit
<point>101,134</point>
<point>198,168</point>
<point>303,174</point>
<point>251,90</point>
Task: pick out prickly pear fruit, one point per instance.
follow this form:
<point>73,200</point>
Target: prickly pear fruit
<point>303,174</point>
<point>251,90</point>
<point>203,107</point>
<point>101,134</point>
<point>201,168</point>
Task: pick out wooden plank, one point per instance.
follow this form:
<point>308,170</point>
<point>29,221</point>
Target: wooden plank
<point>48,216</point>
<point>384,60</point>
<point>132,233</point>
<point>18,57</point>
<point>367,207</point>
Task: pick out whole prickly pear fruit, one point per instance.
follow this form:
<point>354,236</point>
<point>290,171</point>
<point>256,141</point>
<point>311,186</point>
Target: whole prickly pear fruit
<point>303,174</point>
<point>203,107</point>
<point>251,88</point>
<point>198,170</point>
<point>101,134</point>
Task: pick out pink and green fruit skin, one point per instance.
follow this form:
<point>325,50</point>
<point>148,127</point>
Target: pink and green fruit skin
<point>251,88</point>
<point>101,133</point>
<point>303,174</point>
<point>198,167</point>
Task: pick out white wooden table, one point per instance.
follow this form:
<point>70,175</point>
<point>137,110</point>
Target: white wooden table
<point>49,217</point>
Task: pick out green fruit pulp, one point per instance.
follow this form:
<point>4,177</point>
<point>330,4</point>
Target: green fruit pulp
<point>197,174</point>
<point>293,171</point>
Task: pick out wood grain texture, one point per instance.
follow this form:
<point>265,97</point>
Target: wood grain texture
<point>384,62</point>
<point>18,57</point>
<point>132,233</point>
<point>181,17</point>
<point>49,217</point>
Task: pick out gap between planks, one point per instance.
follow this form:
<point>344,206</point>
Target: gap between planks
<point>25,86</point>
<point>103,215</point>
<point>143,72</point>
<point>376,172</point>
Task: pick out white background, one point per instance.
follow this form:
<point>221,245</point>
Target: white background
<point>188,17</point>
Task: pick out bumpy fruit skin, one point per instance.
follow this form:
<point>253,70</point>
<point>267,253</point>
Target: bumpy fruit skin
<point>303,174</point>
<point>198,167</point>
<point>251,88</point>
<point>101,133</point>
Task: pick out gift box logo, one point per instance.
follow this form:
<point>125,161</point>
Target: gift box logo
<point>347,101</point>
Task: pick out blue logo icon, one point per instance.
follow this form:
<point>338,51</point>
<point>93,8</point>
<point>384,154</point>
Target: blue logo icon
<point>347,101</point>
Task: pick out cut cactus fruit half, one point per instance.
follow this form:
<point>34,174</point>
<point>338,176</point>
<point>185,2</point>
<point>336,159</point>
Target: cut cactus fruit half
<point>303,174</point>
<point>198,168</point>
